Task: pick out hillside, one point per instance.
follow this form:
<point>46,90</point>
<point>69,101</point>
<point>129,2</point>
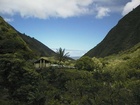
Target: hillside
<point>121,37</point>
<point>12,40</point>
<point>123,57</point>
<point>39,48</point>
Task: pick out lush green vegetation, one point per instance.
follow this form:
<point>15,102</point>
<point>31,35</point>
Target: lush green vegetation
<point>113,80</point>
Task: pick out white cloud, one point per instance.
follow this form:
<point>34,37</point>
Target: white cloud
<point>102,12</point>
<point>45,8</point>
<point>8,19</point>
<point>130,6</point>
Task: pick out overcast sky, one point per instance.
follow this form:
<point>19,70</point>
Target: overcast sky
<point>76,25</point>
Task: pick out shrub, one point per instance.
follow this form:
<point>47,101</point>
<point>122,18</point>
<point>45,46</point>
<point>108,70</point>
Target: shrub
<point>84,63</point>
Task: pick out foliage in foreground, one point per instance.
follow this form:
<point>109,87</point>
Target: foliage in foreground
<point>113,80</point>
<point>117,86</point>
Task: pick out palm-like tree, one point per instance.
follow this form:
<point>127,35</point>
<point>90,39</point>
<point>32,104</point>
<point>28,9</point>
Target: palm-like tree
<point>61,55</point>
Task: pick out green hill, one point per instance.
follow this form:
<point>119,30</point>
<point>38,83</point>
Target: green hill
<point>12,41</point>
<point>39,48</point>
<point>121,58</point>
<point>121,37</point>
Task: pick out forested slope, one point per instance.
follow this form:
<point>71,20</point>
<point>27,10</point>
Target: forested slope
<point>10,38</point>
<point>121,37</point>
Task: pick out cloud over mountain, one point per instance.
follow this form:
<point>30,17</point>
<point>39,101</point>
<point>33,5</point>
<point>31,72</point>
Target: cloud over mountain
<point>130,6</point>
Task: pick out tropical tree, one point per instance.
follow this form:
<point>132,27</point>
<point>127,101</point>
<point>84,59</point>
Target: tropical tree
<point>61,55</point>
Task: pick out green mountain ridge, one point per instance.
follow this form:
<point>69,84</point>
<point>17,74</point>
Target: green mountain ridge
<point>123,36</point>
<point>38,47</point>
<point>11,40</point>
